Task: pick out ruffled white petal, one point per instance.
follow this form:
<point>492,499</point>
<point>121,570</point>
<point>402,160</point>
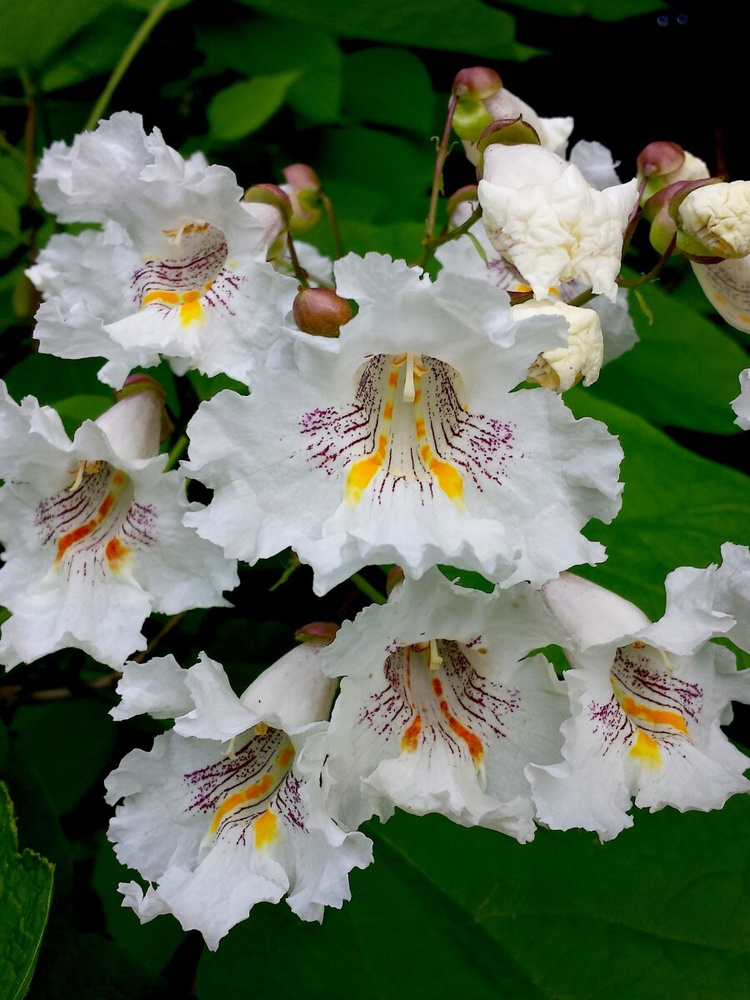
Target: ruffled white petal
<point>403,443</point>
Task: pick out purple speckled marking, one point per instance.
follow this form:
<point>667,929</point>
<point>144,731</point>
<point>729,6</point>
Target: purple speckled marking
<point>201,264</point>
<point>479,447</point>
<point>475,701</point>
<point>638,673</point>
<point>257,759</point>
<point>65,511</point>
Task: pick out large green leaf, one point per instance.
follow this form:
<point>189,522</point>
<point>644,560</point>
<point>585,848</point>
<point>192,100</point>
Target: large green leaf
<point>68,744</point>
<point>682,373</point>
<point>262,45</point>
<point>677,508</point>
<point>466,26</point>
<point>241,108</point>
<point>25,896</point>
<point>29,32</point>
<point>389,86</point>
<point>446,911</point>
<point>603,10</point>
<point>94,51</point>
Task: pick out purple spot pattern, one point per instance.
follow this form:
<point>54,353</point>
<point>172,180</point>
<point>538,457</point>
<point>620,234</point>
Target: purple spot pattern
<point>480,447</point>
<point>210,786</point>
<point>132,522</point>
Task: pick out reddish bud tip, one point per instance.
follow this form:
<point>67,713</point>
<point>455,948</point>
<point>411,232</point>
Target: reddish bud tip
<point>269,194</point>
<point>300,177</point>
<point>321,633</point>
<point>394,578</point>
<point>660,158</point>
<point>478,82</point>
<point>320,312</point>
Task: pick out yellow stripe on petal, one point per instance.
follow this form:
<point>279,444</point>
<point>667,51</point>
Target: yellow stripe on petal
<point>362,473</point>
<point>265,829</point>
<point>646,749</point>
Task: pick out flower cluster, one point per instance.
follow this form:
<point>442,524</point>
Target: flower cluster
<point>397,415</point>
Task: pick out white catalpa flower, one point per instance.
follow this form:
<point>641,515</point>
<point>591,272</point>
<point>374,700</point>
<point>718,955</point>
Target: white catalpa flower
<point>216,815</point>
<point>403,442</point>
<point>93,533</point>
<point>177,269</point>
<point>473,256</point>
<point>647,703</point>
<point>741,405</point>
<point>544,217</point>
<point>438,709</point>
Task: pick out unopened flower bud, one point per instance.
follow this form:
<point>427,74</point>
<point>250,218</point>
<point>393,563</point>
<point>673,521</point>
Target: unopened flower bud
<point>394,579</point>
<point>320,312</point>
<point>666,163</point>
<point>560,368</point>
<point>464,195</point>
<point>272,207</point>
<point>718,216</point>
<point>304,190</point>
<point>320,633</point>
<point>137,422</point>
<point>477,82</point>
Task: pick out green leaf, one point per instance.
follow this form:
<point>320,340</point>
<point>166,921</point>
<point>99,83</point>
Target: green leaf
<point>603,10</point>
<point>465,26</point>
<point>268,45</point>
<point>677,510</point>
<point>243,107</point>
<point>30,33</point>
<point>69,745</point>
<point>51,379</point>
<point>75,409</point>
<point>25,897</point>
<point>94,51</point>
<point>389,86</point>
<point>682,373</point>
<point>153,943</point>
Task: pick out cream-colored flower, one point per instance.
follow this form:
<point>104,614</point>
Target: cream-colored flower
<point>543,216</point>
<point>582,357</point>
<point>719,216</point>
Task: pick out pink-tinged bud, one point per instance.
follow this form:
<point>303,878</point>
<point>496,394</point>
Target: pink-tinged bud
<point>320,633</point>
<point>394,579</point>
<point>460,197</point>
<point>300,177</point>
<point>320,312</point>
<point>662,211</point>
<point>137,422</point>
<point>660,158</point>
<point>305,192</point>
<point>505,132</point>
<point>270,194</point>
<point>477,82</point>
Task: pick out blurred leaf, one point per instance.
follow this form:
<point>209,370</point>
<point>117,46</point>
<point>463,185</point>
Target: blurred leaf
<point>682,373</point>
<point>69,744</point>
<point>25,897</point>
<point>391,165</point>
<point>265,45</point>
<point>51,379</point>
<point>678,508</point>
<point>94,51</point>
<point>603,10</point>
<point>390,87</point>
<point>10,219</point>
<point>446,911</point>
<point>147,5</point>
<point>153,943</point>
<point>243,107</point>
<point>465,26</point>
<point>28,34</point>
<point>75,409</point>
